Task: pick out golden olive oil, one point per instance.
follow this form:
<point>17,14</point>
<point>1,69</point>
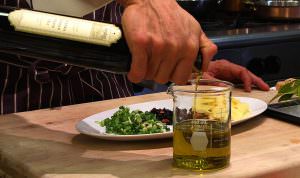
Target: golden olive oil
<point>201,144</point>
<point>197,81</point>
<point>201,141</point>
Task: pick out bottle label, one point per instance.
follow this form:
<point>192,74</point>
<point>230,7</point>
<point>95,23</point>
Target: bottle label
<point>64,27</point>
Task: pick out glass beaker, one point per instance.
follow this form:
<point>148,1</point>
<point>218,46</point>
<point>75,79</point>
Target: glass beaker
<point>201,124</point>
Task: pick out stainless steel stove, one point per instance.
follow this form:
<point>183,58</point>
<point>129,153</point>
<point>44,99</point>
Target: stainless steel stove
<point>268,48</point>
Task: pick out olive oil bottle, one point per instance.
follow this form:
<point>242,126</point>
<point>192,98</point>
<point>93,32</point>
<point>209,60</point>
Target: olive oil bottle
<point>64,27</point>
<point>66,39</point>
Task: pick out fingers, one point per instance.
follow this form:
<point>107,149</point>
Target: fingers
<point>208,50</point>
<point>182,72</point>
<point>138,65</point>
<point>166,67</point>
<point>169,57</point>
<point>164,42</point>
<point>247,80</point>
<point>155,58</point>
<point>225,70</point>
<point>208,76</point>
<point>138,42</point>
<point>250,79</point>
<point>183,68</point>
<point>259,82</point>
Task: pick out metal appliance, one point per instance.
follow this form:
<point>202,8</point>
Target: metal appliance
<point>275,9</point>
<point>267,47</point>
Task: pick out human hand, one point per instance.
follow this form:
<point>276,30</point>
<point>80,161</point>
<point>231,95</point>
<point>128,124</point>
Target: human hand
<point>225,70</point>
<point>164,41</point>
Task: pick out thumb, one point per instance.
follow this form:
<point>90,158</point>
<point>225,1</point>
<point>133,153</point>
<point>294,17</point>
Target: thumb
<point>206,75</point>
<point>208,50</point>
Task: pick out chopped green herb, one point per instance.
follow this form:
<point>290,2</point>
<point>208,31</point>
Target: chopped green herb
<point>126,122</point>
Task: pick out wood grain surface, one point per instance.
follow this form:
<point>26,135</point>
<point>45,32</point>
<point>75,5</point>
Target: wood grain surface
<point>44,143</point>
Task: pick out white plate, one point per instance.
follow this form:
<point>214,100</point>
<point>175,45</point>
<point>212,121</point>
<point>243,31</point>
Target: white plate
<point>256,107</point>
<point>88,126</point>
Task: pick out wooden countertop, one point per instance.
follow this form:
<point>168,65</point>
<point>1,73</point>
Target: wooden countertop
<point>44,143</point>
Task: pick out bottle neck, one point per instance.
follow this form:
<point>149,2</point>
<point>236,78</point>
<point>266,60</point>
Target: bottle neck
<point>4,23</point>
<point>7,9</point>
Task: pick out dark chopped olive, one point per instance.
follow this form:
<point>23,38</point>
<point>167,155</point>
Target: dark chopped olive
<point>182,114</point>
<point>197,115</point>
<point>166,121</point>
<point>164,115</point>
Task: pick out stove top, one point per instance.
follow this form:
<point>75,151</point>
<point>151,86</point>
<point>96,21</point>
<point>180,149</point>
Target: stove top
<point>268,48</point>
<point>229,30</point>
<point>228,21</point>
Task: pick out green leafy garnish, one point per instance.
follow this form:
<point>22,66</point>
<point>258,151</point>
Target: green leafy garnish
<point>288,90</point>
<point>124,122</point>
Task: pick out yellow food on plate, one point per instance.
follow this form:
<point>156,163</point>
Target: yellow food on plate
<point>239,109</point>
<point>216,107</point>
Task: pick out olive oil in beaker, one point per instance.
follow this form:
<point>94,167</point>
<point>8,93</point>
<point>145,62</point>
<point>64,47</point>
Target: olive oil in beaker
<point>201,144</point>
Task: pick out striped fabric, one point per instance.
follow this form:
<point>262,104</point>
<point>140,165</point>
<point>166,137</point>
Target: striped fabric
<point>28,84</point>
